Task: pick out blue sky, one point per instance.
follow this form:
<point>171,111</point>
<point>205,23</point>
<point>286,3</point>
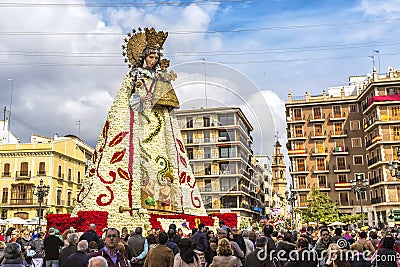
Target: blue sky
<point>64,56</point>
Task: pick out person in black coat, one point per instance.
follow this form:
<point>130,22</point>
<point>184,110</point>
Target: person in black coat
<point>91,235</point>
<point>79,258</point>
<point>70,249</point>
<point>260,256</point>
<point>52,245</point>
<point>386,255</point>
<point>285,246</point>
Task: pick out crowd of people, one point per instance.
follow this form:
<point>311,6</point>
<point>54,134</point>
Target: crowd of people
<point>228,247</point>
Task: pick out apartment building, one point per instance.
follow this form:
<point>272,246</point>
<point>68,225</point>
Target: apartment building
<point>59,161</point>
<point>218,143</point>
<point>336,136</point>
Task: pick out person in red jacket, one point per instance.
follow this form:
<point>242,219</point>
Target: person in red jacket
<point>110,252</point>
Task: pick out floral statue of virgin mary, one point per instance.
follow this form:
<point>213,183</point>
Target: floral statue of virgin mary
<point>140,164</point>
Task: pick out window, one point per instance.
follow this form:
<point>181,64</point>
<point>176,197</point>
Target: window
<point>394,152</point>
<point>354,125</point>
<point>338,127</point>
<point>322,181</point>
<point>189,137</point>
<point>301,166</point>
<point>189,152</point>
<point>363,195</point>
<point>302,181</point>
<point>342,178</point>
<point>226,119</point>
<point>4,198</point>
<point>317,113</point>
<point>393,91</point>
<point>319,147</point>
<point>297,114</point>
<point>207,152</point>
<point>42,169</point>
<point>228,184</point>
<point>318,130</point>
<point>356,142</point>
<point>6,170</point>
<point>320,164</point>
<point>207,168</point>
<point>339,145</point>
<point>303,200</point>
<point>227,152</point>
<point>337,111</point>
<point>353,108</point>
<point>21,194</point>
<point>395,132</point>
<point>229,202</point>
<point>298,129</point>
<point>69,174</point>
<point>341,163</point>
<point>227,168</point>
<point>299,145</point>
<point>206,121</point>
<point>69,194</point>
<point>189,122</point>
<point>207,202</point>
<point>58,197</point>
<point>207,185</point>
<point>358,160</point>
<point>59,174</point>
<point>206,136</point>
<point>79,177</point>
<point>394,113</point>
<point>344,198</point>
<point>24,169</point>
<point>226,135</point>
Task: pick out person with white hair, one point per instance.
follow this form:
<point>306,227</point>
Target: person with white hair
<point>98,261</point>
<point>79,258</point>
<point>73,240</point>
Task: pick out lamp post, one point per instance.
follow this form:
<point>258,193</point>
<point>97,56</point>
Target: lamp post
<point>359,185</point>
<point>291,200</point>
<point>41,191</point>
<point>394,166</point>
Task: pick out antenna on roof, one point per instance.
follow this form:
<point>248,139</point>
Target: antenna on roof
<point>78,122</point>
<point>205,80</point>
<point>379,60</point>
<point>9,117</point>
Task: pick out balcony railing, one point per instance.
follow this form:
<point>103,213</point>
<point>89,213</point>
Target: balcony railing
<point>341,168</point>
<point>377,138</point>
<point>21,201</point>
<point>374,160</point>
<point>41,173</point>
<point>6,174</point>
<point>296,119</point>
<point>340,150</point>
<point>23,174</point>
<point>370,122</point>
<point>377,200</point>
<point>338,133</point>
<point>321,168</point>
<point>337,116</point>
<point>316,118</point>
<point>376,180</point>
<point>316,135</point>
<point>319,150</point>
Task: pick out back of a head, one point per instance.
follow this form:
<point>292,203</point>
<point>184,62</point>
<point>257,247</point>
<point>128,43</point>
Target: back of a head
<point>268,230</point>
<point>12,251</point>
<point>52,231</point>
<point>138,231</point>
<point>338,231</point>
<point>287,237</point>
<point>82,246</point>
<point>201,226</point>
<point>93,245</point>
<point>98,261</point>
<point>245,233</point>
<point>72,238</point>
<point>172,226</point>
<point>302,242</point>
<point>362,234</point>
<point>162,238</point>
<point>224,247</point>
<point>171,233</point>
<point>388,242</point>
<point>92,226</point>
<point>261,242</point>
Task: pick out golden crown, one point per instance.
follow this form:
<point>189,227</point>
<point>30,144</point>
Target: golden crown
<point>137,42</point>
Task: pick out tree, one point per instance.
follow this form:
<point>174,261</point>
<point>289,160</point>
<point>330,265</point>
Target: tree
<point>350,218</point>
<point>320,209</point>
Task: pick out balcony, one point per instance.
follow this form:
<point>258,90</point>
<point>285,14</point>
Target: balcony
<point>298,170</point>
<point>377,200</point>
<point>340,150</point>
<point>374,140</point>
<point>23,174</point>
<point>374,160</point>
<point>316,118</point>
<point>41,173</point>
<point>370,122</point>
<point>319,151</point>
<point>341,168</point>
<point>324,186</point>
<point>375,180</point>
<point>338,134</point>
<point>206,189</point>
<point>296,136</point>
<point>303,187</point>
<point>321,169</point>
<point>60,176</point>
<point>297,153</point>
<point>338,117</point>
<point>60,202</point>
<point>318,135</point>
<point>21,201</point>
<point>296,119</point>
<point>342,186</point>
<point>6,174</point>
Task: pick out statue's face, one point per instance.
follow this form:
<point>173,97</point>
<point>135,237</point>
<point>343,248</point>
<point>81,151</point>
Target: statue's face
<point>164,66</point>
<point>151,60</point>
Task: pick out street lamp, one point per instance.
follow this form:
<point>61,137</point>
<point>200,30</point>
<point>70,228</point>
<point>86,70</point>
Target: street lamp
<point>291,198</point>
<point>394,166</point>
<point>359,185</point>
<point>41,191</point>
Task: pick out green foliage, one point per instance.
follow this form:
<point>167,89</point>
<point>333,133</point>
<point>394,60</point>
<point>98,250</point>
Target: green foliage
<point>320,209</point>
<point>350,218</point>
